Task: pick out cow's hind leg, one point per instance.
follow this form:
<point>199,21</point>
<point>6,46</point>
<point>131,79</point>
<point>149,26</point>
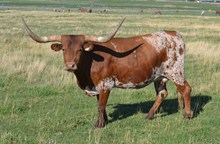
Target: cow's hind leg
<point>102,101</point>
<point>185,91</point>
<point>180,100</point>
<point>161,93</point>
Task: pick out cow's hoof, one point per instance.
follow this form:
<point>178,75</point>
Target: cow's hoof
<point>187,116</point>
<point>150,117</point>
<point>100,124</point>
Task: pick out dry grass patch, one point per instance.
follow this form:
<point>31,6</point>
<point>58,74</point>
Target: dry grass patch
<point>206,52</point>
<point>12,62</point>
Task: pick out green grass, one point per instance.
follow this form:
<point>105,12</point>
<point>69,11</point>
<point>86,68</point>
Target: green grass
<point>41,103</point>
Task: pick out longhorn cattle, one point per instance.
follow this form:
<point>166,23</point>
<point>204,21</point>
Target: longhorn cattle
<point>157,12</point>
<point>217,12</point>
<point>85,10</point>
<point>102,63</point>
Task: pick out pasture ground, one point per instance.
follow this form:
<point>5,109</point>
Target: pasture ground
<point>41,103</point>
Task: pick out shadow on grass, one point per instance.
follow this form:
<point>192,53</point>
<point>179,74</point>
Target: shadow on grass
<point>169,106</point>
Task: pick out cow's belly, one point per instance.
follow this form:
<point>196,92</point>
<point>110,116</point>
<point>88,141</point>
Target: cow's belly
<point>129,81</point>
<point>112,82</point>
<point>109,83</point>
<point>131,84</point>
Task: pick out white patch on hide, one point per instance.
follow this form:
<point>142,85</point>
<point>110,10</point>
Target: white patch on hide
<point>106,84</point>
<point>135,54</point>
<point>158,40</point>
<point>164,80</point>
<point>138,40</point>
<point>124,85</point>
<point>91,92</point>
<point>114,45</point>
<point>109,83</point>
<point>173,68</point>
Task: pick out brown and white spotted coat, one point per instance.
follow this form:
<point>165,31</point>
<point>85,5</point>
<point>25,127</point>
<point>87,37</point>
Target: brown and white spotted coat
<point>166,48</point>
<point>125,63</point>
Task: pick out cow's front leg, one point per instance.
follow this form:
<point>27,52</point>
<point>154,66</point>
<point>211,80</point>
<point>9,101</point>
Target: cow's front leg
<point>102,102</point>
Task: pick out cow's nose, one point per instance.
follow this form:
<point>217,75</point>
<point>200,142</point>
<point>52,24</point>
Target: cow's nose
<point>70,66</point>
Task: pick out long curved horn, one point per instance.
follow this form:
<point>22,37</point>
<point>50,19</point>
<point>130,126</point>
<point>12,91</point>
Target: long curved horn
<point>105,38</point>
<point>43,39</point>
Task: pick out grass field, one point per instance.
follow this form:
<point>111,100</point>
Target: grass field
<point>41,103</point>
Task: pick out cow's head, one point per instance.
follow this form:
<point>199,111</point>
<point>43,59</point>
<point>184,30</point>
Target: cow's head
<point>71,45</point>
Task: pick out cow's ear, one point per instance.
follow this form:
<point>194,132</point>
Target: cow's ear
<point>88,46</point>
<point>56,47</point>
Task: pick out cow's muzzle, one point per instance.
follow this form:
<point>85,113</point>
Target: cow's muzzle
<point>70,66</point>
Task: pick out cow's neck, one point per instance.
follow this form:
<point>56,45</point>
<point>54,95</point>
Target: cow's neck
<point>83,72</point>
